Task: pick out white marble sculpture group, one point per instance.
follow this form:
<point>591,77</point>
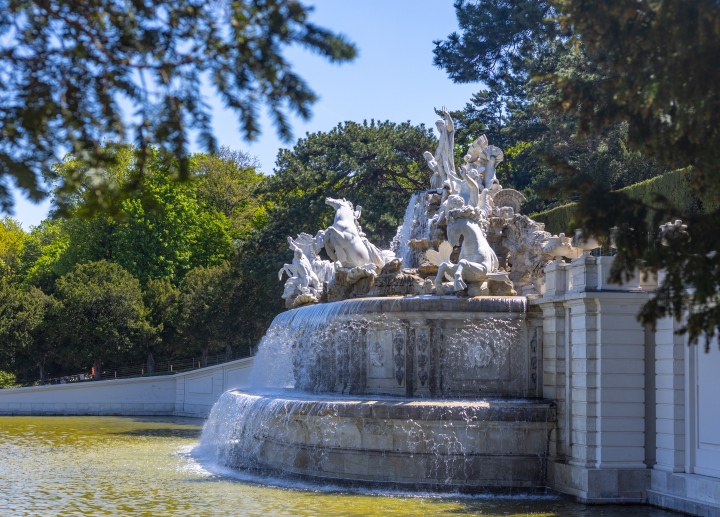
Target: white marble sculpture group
<point>470,204</point>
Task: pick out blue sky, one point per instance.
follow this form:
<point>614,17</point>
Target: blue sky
<point>392,78</point>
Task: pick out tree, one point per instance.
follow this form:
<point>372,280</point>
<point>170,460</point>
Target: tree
<point>655,71</point>
<point>200,295</point>
<point>162,311</point>
<point>12,241</point>
<point>497,36</point>
<point>102,317</point>
<point>225,181</point>
<point>635,83</point>
<point>66,66</point>
<point>166,233</point>
<point>163,229</point>
<point>27,320</point>
<point>238,315</point>
<point>377,165</point>
<point>513,47</point>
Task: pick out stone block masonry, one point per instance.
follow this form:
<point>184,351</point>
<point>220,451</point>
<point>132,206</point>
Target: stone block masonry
<point>637,410</point>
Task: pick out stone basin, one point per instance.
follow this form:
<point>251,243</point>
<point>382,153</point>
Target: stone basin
<point>491,444</point>
<point>414,346</point>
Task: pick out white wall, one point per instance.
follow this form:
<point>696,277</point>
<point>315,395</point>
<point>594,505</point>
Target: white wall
<point>185,394</point>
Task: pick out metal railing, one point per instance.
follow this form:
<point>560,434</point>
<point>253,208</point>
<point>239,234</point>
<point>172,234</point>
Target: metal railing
<point>169,367</point>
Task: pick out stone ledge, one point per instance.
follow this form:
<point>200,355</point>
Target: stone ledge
<point>690,493</point>
<point>599,486</point>
<point>680,504</point>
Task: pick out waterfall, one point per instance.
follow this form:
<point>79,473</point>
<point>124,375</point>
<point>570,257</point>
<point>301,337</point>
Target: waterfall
<point>415,225</point>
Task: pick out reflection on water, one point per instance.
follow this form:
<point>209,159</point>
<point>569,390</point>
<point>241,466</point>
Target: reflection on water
<point>149,466</point>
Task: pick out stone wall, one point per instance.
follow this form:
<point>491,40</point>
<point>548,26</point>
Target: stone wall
<point>184,394</point>
<point>637,411</point>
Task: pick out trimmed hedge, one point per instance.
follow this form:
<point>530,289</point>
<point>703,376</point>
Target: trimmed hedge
<point>676,186</point>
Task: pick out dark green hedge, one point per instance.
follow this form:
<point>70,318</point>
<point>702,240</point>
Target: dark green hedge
<point>676,186</point>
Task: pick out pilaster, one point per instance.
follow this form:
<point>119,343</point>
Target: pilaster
<point>553,379</point>
<point>670,396</point>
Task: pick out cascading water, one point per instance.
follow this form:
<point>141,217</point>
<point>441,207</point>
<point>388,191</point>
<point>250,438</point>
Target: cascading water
<point>421,390</point>
<point>430,390</point>
<point>416,225</point>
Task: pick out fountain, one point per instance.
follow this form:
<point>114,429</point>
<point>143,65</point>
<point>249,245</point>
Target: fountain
<point>424,375</point>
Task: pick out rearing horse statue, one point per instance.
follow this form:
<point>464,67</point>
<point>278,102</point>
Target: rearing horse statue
<point>344,240</point>
<point>477,259</point>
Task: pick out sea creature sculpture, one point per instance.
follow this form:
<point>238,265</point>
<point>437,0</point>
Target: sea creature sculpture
<point>477,260</point>
<point>442,254</point>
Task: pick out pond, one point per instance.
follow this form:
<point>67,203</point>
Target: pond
<point>149,466</point>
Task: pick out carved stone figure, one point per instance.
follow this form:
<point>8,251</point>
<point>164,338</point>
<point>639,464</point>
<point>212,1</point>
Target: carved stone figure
<point>477,259</point>
<point>344,240</point>
<point>436,181</point>
<point>476,149</point>
<point>489,158</point>
<point>529,250</point>
<point>485,158</point>
<point>508,198</point>
<point>324,269</point>
<point>302,279</point>
<point>446,146</point>
<point>469,189</point>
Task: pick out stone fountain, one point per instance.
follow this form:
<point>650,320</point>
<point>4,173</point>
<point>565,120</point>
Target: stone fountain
<point>414,365</point>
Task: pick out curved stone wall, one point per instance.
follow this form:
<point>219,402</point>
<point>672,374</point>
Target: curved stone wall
<point>459,443</point>
<point>424,346</point>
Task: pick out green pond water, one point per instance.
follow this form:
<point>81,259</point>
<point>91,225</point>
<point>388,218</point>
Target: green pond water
<point>59,466</point>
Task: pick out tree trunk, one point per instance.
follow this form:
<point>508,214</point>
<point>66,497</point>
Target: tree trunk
<point>150,363</point>
<point>42,372</point>
<point>228,351</point>
<point>96,368</point>
<point>203,361</point>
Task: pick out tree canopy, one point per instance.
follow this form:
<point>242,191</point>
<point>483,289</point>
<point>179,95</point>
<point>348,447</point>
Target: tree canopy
<point>590,97</point>
<point>376,165</point>
<point>512,47</point>
<point>75,73</point>
<point>102,313</point>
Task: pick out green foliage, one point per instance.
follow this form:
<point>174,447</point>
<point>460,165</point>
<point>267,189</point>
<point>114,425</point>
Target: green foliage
<point>201,291</point>
<point>557,220</point>
<point>497,35</point>
<point>224,184</point>
<point>8,380</point>
<point>519,113</point>
<point>12,243</point>
<point>675,187</point>
<point>165,233</point>
<point>102,317</point>
<point>655,69</point>
<point>153,55</point>
<point>163,315</point>
<point>651,66</point>
<point>26,328</point>
<point>164,230</point>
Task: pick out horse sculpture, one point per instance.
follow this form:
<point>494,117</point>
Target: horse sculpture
<point>477,259</point>
<point>344,240</point>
